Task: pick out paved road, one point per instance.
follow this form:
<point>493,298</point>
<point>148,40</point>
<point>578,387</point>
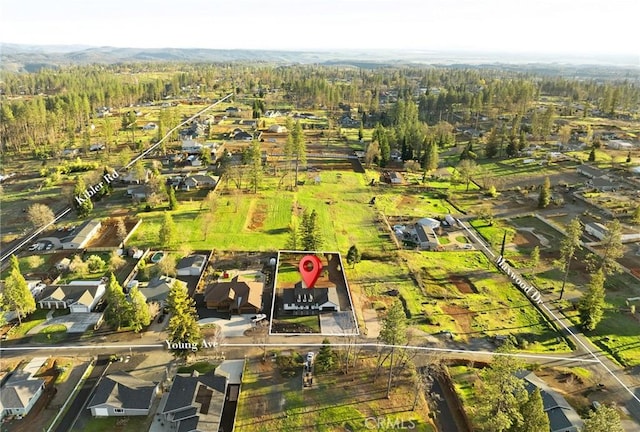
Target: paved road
<point>615,376</point>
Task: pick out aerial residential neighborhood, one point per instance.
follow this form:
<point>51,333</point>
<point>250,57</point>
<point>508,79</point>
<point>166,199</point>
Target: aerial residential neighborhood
<point>238,240</point>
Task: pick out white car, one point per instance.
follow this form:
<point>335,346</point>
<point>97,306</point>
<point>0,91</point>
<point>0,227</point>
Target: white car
<point>257,318</point>
<point>310,356</point>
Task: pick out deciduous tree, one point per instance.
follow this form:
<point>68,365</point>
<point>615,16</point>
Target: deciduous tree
<point>40,215</point>
<point>116,262</point>
<point>17,296</point>
<point>467,169</point>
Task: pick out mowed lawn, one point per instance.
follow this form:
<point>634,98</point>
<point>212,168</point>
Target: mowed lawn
<point>260,222</point>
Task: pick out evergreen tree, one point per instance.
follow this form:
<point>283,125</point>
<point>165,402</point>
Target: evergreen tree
<point>173,202</point>
<point>544,199</point>
<point>183,328</point>
<point>140,314</point>
<point>168,232</point>
<point>393,332</point>
<point>81,203</point>
<point>592,155</point>
<point>310,237</point>
<point>568,247</point>
<point>603,419</point>
<point>431,157</point>
<point>118,309</point>
<point>353,256</point>
<point>293,242</point>
<point>255,166</point>
<point>325,359</point>
<point>17,296</point>
<point>592,302</point>
<point>360,132</point>
<point>501,393</point>
<point>535,257</point>
<point>612,247</point>
<point>636,215</point>
<point>534,417</point>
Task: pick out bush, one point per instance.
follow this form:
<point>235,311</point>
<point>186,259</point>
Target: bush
<point>95,263</point>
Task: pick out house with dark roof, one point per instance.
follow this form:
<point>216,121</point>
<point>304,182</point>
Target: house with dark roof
<point>589,171</point>
<point>194,403</point>
<point>301,300</point>
<point>242,136</point>
<point>562,417</point>
<point>602,184</point>
<point>191,265</point>
<point>120,394</point>
<point>241,294</point>
<point>78,296</point>
<point>21,390</point>
<point>426,237</point>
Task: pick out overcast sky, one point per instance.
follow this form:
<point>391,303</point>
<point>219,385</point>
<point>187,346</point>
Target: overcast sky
<point>532,26</point>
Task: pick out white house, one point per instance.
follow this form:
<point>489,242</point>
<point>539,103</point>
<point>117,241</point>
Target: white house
<point>82,236</point>
<point>596,229</point>
<point>276,128</point>
<point>21,390</point>
<point>191,265</point>
<point>191,146</point>
<point>77,296</point>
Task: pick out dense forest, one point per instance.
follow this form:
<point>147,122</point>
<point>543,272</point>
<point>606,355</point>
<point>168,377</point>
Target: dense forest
<point>48,110</point>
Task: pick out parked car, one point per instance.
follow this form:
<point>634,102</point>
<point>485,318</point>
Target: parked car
<point>258,318</point>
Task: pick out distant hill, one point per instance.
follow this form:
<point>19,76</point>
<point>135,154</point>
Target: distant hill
<point>30,58</point>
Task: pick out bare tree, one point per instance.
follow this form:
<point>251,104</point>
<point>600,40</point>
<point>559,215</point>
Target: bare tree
<point>40,215</point>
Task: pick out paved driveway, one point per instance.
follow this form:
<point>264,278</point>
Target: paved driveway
<point>234,327</point>
<point>337,323</point>
<point>75,322</point>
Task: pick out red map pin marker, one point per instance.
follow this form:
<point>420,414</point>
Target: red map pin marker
<point>310,267</point>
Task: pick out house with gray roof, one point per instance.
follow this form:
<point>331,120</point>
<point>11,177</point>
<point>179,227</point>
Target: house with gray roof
<point>194,403</point>
<point>562,417</point>
<point>191,265</point>
<point>589,171</point>
<point>82,235</point>
<point>78,296</point>
<point>120,394</point>
<point>20,391</point>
